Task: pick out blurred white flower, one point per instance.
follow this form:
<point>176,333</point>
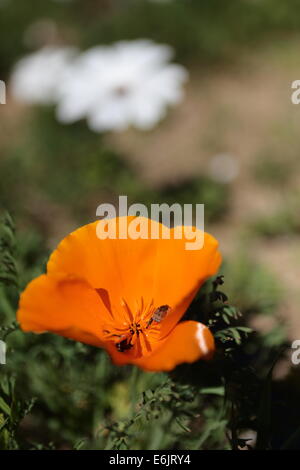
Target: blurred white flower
<point>128,83</point>
<point>35,78</point>
<point>223,168</point>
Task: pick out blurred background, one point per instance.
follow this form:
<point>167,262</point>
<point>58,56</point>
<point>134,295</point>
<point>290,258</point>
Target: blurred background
<point>232,144</point>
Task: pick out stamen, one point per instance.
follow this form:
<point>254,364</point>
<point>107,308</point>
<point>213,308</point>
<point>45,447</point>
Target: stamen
<point>138,330</point>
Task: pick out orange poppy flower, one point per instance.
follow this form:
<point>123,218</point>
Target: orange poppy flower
<point>125,295</point>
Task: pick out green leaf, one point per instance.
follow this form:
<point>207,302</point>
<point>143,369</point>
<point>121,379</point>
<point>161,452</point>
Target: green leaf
<point>182,425</point>
<point>5,407</point>
<point>213,391</point>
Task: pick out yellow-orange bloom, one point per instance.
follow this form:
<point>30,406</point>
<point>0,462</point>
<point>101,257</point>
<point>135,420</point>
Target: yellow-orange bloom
<point>124,295</point>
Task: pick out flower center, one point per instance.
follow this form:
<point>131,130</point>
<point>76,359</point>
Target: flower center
<point>138,332</point>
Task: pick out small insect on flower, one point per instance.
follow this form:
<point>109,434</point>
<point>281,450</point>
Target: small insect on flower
<point>159,314</point>
<point>123,345</point>
<point>121,295</point>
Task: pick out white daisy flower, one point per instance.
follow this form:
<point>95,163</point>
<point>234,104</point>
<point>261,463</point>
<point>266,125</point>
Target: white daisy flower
<point>35,78</point>
<point>128,83</point>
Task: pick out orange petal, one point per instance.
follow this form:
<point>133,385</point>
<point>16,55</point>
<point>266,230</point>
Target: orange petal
<point>188,342</point>
<point>162,270</point>
<point>180,274</point>
<point>122,267</point>
<point>66,306</point>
